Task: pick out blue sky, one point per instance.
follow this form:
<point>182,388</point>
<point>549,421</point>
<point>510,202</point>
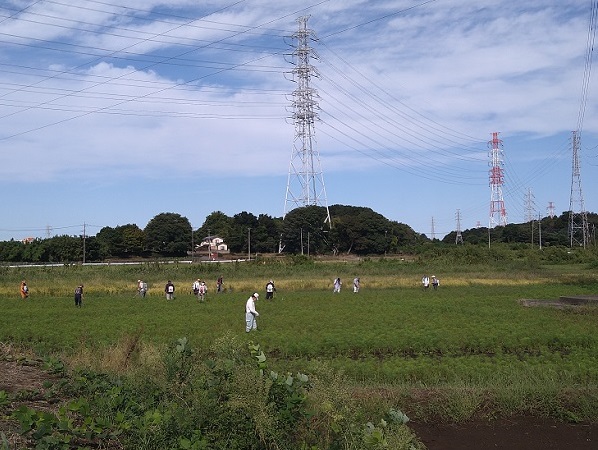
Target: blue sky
<point>113,112</point>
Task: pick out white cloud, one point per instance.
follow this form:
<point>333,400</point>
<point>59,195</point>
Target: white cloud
<point>109,89</point>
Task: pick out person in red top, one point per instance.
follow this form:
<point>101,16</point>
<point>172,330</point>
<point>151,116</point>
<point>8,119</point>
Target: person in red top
<point>24,290</point>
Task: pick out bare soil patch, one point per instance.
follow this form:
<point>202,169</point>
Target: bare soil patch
<point>563,302</point>
<point>520,433</point>
<point>25,382</point>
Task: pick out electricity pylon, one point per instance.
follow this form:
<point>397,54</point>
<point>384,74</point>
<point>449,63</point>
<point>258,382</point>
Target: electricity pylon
<point>497,203</point>
<point>459,236</point>
<point>305,185</point>
<point>579,231</point>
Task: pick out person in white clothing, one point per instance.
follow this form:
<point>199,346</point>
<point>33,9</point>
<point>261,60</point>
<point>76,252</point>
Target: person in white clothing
<point>203,290</point>
<point>250,313</point>
<point>337,285</point>
<point>195,287</point>
<point>141,288</point>
<point>426,281</point>
<point>356,285</point>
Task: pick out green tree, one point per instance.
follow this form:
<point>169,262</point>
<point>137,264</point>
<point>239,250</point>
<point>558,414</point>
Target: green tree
<point>216,224</point>
<point>244,226</point>
<point>64,249</point>
<point>168,234</point>
<point>122,242</point>
<point>133,239</point>
<point>11,251</point>
<point>110,242</point>
<point>267,234</point>
<point>304,230</point>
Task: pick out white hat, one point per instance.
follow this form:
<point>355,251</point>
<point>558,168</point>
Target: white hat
<point>256,295</point>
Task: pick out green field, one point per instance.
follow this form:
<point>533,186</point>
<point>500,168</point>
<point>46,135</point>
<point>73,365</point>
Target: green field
<point>468,349</point>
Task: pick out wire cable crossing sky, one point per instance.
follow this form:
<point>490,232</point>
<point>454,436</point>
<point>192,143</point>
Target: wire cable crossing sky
<point>111,113</point>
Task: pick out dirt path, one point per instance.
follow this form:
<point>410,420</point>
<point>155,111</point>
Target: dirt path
<point>522,433</point>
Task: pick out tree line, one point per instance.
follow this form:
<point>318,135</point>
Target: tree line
<point>352,230</point>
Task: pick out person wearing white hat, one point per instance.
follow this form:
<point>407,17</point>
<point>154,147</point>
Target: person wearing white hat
<point>250,313</point>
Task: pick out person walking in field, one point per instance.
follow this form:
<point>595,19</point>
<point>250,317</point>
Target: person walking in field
<point>202,291</point>
<point>435,282</point>
<point>425,281</point>
<point>337,285</point>
<point>169,290</point>
<point>141,288</point>
<point>251,314</point>
<point>79,296</point>
<point>356,285</point>
<point>24,290</point>
<point>195,287</point>
<point>270,290</point>
<point>219,283</point>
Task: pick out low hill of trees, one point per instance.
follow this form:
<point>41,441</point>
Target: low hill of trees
<point>353,230</point>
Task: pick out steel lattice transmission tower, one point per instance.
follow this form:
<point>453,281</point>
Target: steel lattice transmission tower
<point>530,206</point>
<point>459,236</point>
<point>579,231</point>
<point>550,210</point>
<point>498,213</point>
<point>305,185</point>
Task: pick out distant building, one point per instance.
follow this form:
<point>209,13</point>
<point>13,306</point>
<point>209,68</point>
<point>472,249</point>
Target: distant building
<point>213,243</point>
<point>27,240</point>
<point>211,246</point>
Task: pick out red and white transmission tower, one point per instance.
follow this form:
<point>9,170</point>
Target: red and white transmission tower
<point>305,185</point>
<point>550,210</point>
<point>498,213</point>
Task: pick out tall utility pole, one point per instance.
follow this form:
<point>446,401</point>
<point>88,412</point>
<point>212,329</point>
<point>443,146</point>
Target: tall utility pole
<point>459,237</point>
<point>578,217</point>
<point>433,229</point>
<point>248,244</point>
<point>84,231</point>
<point>305,185</point>
<point>498,213</point>
<point>539,231</point>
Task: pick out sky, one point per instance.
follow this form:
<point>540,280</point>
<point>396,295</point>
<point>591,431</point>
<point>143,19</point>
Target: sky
<point>114,112</point>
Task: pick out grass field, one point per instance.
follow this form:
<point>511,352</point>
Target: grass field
<point>468,349</point>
